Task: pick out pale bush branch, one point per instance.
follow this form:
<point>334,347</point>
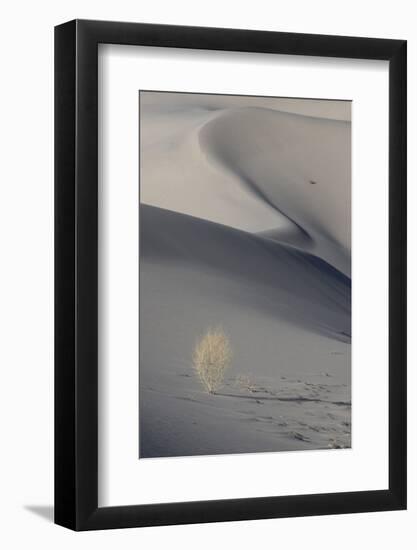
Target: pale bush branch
<point>211,358</point>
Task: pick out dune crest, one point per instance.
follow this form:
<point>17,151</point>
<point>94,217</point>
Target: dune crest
<point>280,281</point>
<point>278,156</point>
<point>252,168</point>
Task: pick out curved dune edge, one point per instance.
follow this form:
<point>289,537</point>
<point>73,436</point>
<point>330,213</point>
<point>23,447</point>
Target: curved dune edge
<point>178,175</point>
<point>286,161</point>
<point>274,278</point>
<point>251,168</point>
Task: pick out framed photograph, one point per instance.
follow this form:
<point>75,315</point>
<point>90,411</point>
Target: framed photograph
<point>230,285</point>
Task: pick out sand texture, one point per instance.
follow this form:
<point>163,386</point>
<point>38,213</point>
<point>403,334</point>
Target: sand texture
<point>244,225</point>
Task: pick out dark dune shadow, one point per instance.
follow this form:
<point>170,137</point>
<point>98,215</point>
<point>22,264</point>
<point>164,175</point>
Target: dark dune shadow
<point>289,282</point>
<point>45,512</point>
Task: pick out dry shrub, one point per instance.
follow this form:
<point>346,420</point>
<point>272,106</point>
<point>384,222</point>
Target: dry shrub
<point>211,358</point>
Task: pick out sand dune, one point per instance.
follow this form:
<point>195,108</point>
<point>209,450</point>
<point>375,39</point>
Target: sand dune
<point>251,168</point>
<point>279,279</point>
<point>287,314</point>
<point>298,165</point>
<point>245,224</point>
<point>180,176</point>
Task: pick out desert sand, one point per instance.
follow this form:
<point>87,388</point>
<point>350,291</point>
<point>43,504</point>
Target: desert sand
<point>245,224</point>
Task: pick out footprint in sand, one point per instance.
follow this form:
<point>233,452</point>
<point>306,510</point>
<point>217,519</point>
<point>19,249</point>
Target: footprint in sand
<point>300,437</point>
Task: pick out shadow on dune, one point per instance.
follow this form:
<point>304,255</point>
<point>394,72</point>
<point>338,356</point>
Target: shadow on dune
<point>277,156</point>
<point>276,278</point>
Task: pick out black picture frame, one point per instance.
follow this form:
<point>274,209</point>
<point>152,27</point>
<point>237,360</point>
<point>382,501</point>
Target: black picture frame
<point>76,273</point>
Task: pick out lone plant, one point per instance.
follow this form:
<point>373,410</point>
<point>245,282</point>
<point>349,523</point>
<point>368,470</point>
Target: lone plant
<point>211,358</point>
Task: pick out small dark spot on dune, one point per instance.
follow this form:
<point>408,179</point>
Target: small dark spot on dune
<point>312,182</point>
